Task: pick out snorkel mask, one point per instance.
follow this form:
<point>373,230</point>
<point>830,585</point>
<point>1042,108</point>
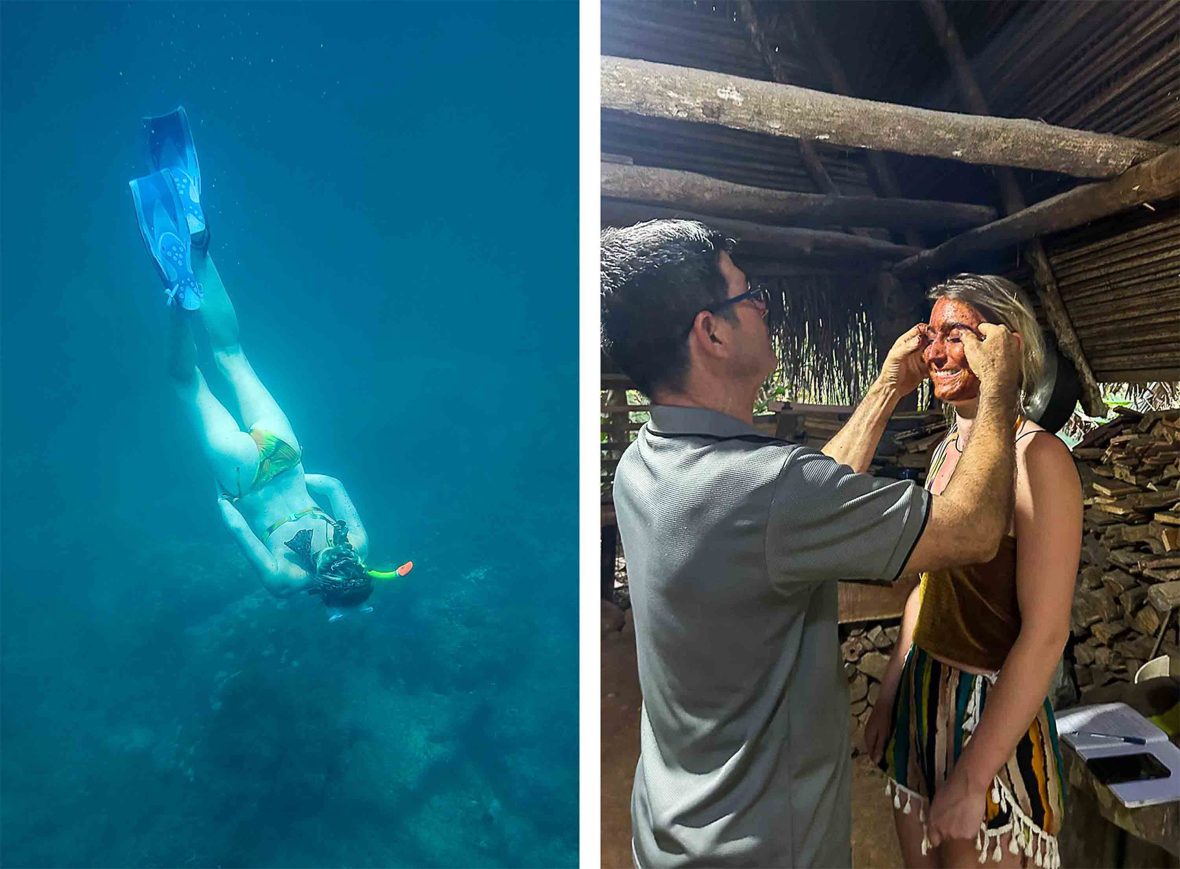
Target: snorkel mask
<point>341,578</point>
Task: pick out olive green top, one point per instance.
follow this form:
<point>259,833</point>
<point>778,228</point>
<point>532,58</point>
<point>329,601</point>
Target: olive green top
<point>970,615</point>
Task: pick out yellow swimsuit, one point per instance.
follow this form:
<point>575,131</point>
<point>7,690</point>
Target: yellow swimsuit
<point>275,456</point>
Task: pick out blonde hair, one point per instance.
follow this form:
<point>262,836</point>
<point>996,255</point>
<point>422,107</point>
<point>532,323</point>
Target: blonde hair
<point>998,300</point>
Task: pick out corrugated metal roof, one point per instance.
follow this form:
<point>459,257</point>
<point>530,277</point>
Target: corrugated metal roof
<point>1106,66</point>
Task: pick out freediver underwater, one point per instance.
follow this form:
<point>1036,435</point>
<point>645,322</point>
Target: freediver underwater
<point>300,531</point>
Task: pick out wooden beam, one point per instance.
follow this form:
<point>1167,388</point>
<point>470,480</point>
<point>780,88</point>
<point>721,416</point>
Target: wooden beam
<point>810,241</point>
<point>755,267</point>
<point>673,187</point>
<point>1158,178</point>
<point>658,90</point>
<point>863,601</point>
<point>1014,202</point>
<point>1145,375</point>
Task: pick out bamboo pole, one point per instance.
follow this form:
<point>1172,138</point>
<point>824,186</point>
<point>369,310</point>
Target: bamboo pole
<point>1043,278</point>
<point>1158,178</point>
<point>672,187</point>
<point>618,213</point>
<point>660,91</point>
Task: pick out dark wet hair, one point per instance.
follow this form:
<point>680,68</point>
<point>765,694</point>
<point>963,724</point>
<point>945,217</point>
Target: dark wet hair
<point>656,277</point>
<point>340,577</point>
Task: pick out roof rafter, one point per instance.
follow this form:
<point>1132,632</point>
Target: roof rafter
<point>661,91</point>
<point>810,241</point>
<point>1156,179</point>
<point>676,188</point>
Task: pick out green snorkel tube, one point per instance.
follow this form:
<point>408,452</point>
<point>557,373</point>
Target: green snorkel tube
<point>341,578</point>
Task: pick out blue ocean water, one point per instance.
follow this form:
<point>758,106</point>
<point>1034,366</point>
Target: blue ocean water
<point>392,192</point>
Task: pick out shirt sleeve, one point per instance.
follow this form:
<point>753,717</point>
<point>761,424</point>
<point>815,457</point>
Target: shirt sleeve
<point>829,522</point>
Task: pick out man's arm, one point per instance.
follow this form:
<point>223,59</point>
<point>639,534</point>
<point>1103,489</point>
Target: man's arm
<point>828,522</point>
<point>275,577</point>
<point>855,444</point>
<point>969,518</point>
<point>343,510</point>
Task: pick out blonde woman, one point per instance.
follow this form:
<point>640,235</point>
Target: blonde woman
<point>962,726</point>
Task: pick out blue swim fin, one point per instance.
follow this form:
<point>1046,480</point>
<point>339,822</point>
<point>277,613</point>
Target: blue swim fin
<point>170,146</point>
<point>162,225</point>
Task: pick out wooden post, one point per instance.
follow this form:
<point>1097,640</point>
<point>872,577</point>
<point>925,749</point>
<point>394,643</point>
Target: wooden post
<point>1158,178</point>
<point>608,553</point>
<point>817,241</point>
<point>673,187</point>
<point>1014,202</point>
<point>658,90</point>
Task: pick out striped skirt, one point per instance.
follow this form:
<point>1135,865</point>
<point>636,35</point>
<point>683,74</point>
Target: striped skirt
<point>936,711</point>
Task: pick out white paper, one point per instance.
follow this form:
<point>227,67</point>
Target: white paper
<point>1120,719</point>
<point>1117,719</point>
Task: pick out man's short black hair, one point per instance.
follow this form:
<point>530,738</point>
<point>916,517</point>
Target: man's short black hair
<point>656,277</point>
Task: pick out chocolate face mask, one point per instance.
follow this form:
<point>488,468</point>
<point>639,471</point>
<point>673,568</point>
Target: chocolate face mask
<point>946,363</point>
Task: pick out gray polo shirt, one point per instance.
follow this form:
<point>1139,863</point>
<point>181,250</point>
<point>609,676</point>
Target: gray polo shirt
<point>734,542</point>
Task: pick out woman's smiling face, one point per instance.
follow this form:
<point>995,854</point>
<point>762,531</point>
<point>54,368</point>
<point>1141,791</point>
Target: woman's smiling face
<point>946,363</point>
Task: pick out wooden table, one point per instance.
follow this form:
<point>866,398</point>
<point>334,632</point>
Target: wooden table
<point>1100,831</point>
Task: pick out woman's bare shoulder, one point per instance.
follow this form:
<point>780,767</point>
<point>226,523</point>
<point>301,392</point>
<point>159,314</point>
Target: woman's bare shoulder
<point>1042,454</point>
<point>1033,438</point>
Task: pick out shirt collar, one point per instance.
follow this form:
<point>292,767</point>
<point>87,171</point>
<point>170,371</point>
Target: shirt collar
<point>667,419</point>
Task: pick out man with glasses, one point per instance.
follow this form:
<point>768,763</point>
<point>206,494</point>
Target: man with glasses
<point>734,542</point>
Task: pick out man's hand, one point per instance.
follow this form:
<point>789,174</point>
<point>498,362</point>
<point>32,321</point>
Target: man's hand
<point>994,356</point>
<point>957,811</point>
<point>904,367</point>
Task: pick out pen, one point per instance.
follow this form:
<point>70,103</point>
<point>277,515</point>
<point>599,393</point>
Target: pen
<point>1134,740</point>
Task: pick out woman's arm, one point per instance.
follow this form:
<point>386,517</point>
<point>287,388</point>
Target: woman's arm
<point>1048,519</point>
<point>279,579</point>
<point>905,639</point>
<point>343,510</point>
<point>877,726</point>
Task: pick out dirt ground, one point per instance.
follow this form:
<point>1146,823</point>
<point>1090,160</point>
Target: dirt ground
<point>873,840</point>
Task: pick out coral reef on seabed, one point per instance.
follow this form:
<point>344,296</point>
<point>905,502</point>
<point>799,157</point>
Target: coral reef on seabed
<point>216,725</point>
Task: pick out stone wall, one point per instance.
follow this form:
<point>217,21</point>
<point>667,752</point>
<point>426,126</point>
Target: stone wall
<point>865,649</point>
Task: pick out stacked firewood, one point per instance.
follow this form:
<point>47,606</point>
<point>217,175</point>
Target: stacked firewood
<point>1129,578</point>
<point>907,444</point>
<point>866,651</point>
<point>914,444</point>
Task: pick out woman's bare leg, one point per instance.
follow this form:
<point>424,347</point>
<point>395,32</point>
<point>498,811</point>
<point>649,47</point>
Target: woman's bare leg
<point>909,836</point>
<point>961,854</point>
<point>232,454</point>
<point>255,404</point>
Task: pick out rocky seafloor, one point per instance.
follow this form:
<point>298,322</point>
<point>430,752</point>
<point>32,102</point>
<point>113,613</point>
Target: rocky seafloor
<point>172,713</point>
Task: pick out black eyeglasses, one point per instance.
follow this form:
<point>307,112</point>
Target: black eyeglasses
<point>758,295</point>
